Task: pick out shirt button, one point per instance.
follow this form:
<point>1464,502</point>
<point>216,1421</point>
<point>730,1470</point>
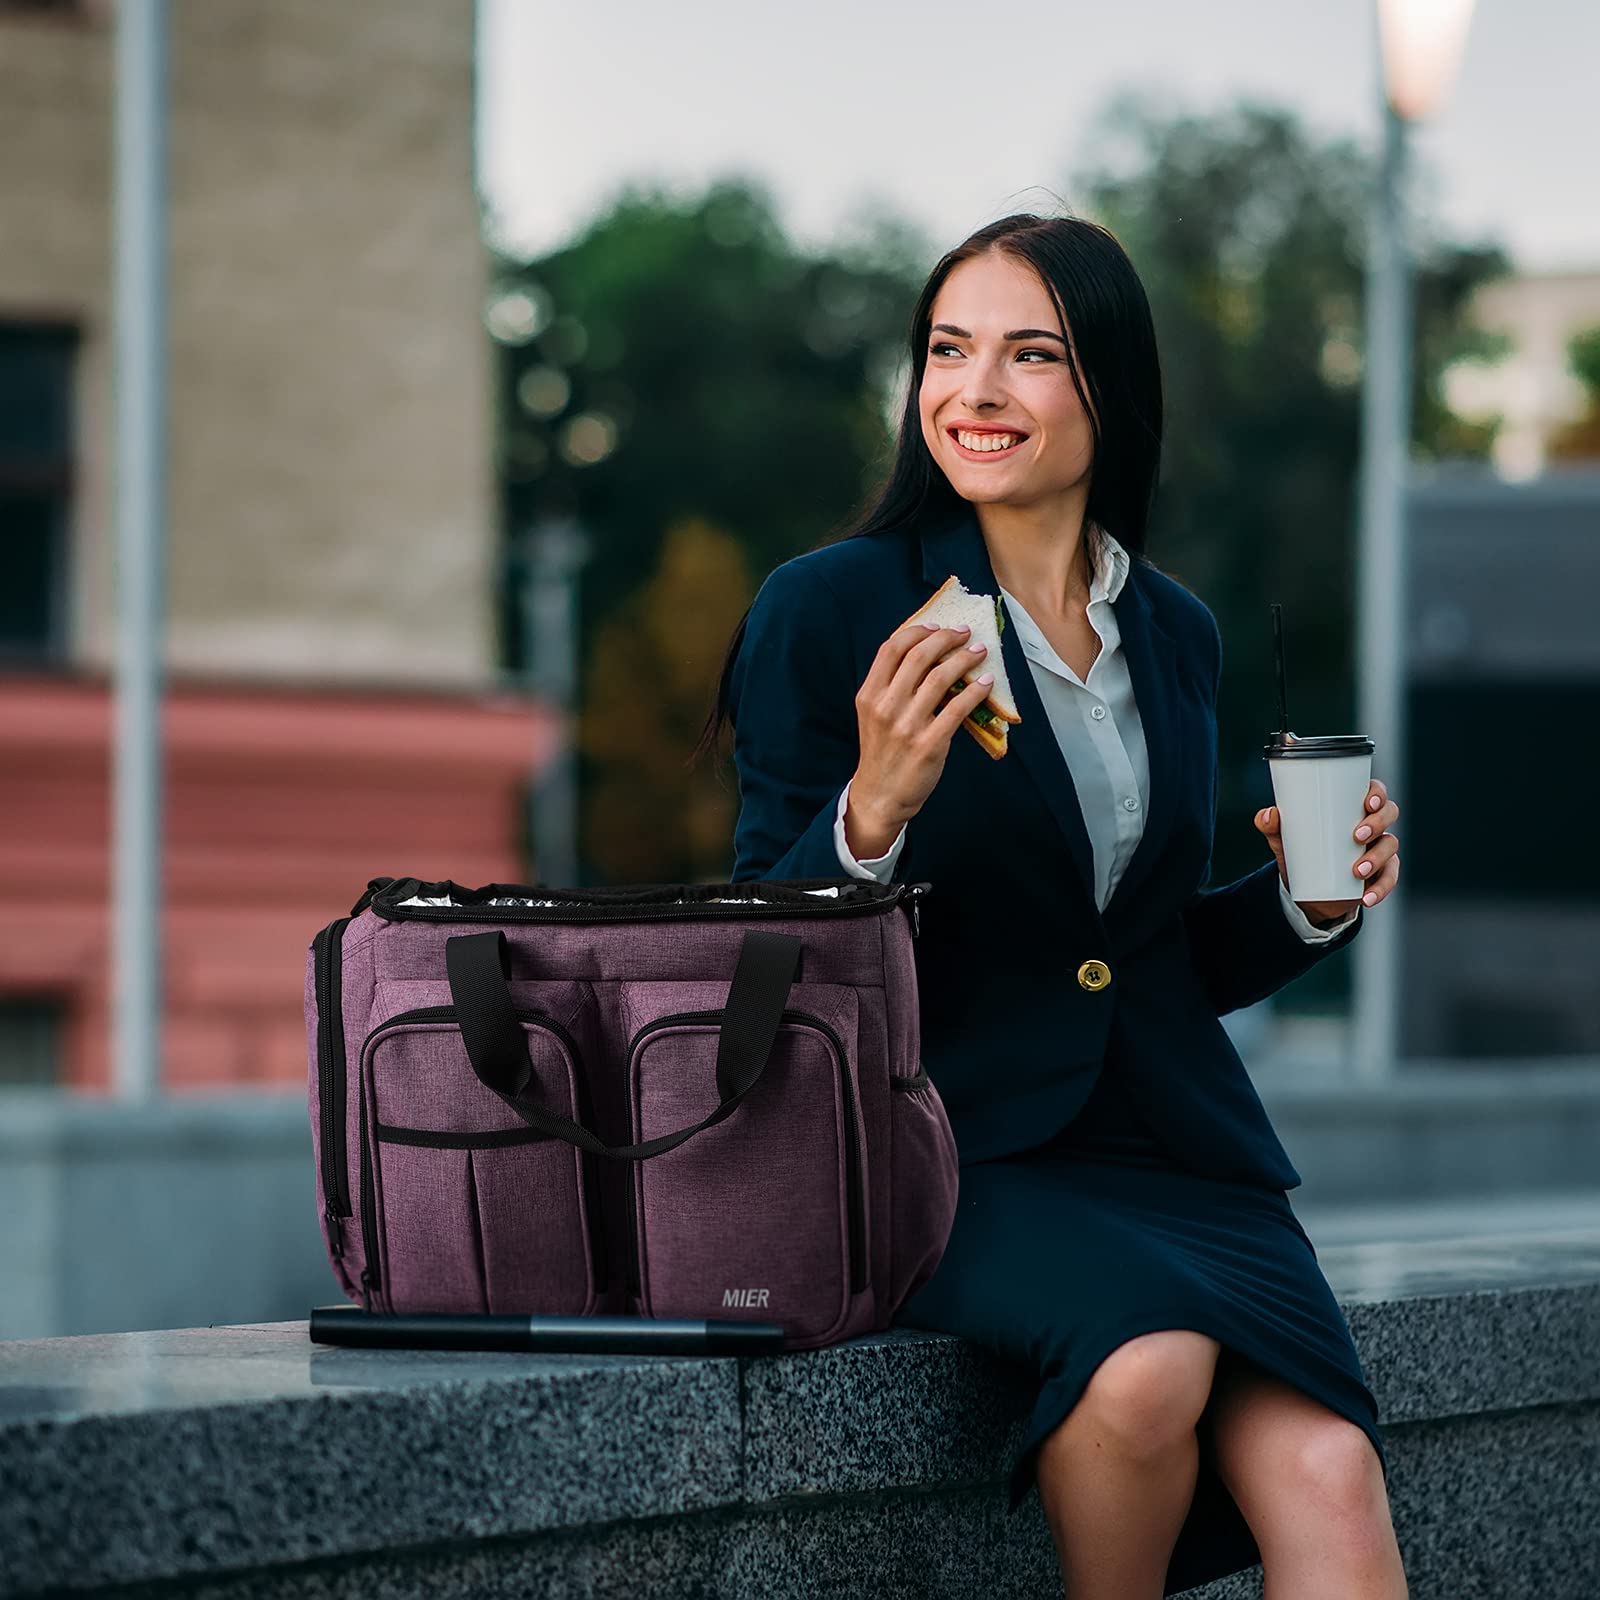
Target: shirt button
<point>1131,803</point>
<point>1098,712</point>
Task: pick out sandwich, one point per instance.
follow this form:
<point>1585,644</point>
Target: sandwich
<point>952,605</point>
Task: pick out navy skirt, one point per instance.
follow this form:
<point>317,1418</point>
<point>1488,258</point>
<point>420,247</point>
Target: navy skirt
<point>1062,1253</point>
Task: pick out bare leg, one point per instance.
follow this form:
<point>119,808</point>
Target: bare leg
<point>1117,1477</point>
<point>1311,1487</point>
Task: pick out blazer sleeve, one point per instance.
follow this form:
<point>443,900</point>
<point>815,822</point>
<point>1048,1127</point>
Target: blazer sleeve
<point>1243,946</point>
<point>795,737</point>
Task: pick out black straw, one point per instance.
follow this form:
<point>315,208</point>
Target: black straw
<point>1277,651</point>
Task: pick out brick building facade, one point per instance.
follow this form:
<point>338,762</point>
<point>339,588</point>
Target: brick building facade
<point>331,548</point>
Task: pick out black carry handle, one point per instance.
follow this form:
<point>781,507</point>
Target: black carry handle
<point>478,965</point>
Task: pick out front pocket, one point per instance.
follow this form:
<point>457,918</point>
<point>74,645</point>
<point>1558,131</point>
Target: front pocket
<point>761,1216</point>
<point>466,1207</point>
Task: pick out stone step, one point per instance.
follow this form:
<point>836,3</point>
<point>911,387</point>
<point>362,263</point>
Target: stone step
<point>247,1456</point>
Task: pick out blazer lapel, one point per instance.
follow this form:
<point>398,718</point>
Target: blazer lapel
<point>956,545</point>
<point>1152,656</point>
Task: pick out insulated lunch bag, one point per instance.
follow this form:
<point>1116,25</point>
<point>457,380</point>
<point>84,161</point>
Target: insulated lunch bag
<point>700,1100</point>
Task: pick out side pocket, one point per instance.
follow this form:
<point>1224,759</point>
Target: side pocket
<point>925,1178</point>
<point>329,1095</point>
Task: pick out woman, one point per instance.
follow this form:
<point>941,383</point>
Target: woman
<point>1123,1228</point>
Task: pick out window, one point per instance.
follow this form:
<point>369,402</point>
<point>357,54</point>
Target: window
<point>37,361</point>
<point>30,1042</point>
<point>42,8</point>
<point>1544,729</point>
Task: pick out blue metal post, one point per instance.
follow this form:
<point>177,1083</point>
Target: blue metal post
<point>1381,571</point>
<point>140,423</point>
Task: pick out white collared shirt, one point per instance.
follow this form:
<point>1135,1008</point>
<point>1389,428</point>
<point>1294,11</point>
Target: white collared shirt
<point>1096,724</point>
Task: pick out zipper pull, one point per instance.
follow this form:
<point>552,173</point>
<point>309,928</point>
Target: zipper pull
<point>914,893</point>
<point>335,1232</point>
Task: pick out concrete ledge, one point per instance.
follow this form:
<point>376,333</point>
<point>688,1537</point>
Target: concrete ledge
<point>245,1461</point>
<point>1438,1129</point>
<point>127,1457</point>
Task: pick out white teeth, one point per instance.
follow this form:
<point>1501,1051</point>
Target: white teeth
<point>988,441</point>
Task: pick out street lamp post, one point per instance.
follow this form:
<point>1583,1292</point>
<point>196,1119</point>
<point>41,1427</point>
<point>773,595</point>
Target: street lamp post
<point>140,421</point>
<point>1419,46</point>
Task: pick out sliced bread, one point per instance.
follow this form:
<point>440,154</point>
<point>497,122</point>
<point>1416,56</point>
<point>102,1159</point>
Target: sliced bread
<point>953,604</point>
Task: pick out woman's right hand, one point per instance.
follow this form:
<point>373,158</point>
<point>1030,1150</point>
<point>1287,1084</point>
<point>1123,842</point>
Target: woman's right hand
<point>906,721</point>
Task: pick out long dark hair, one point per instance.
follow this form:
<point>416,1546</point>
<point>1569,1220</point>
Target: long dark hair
<point>1100,299</point>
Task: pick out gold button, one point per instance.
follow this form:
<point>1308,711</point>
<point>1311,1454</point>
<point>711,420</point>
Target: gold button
<point>1094,974</point>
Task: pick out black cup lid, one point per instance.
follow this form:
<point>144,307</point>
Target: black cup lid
<point>1317,744</point>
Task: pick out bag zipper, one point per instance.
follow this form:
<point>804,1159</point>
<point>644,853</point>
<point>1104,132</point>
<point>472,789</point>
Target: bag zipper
<point>327,950</point>
<point>598,1262</point>
<point>369,1218</point>
<point>857,1218</point>
<point>863,899</point>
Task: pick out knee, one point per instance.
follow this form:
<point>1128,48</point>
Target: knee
<point>1150,1392</point>
<point>1335,1465</point>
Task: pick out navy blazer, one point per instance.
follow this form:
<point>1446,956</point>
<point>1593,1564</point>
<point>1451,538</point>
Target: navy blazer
<point>1011,1037</point>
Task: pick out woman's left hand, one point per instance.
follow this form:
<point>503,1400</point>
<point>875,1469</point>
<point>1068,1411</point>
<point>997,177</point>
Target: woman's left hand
<point>1379,863</point>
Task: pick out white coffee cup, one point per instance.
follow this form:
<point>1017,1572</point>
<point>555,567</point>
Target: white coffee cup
<point>1319,785</point>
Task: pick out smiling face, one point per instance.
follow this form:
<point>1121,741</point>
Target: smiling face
<point>1000,412</point>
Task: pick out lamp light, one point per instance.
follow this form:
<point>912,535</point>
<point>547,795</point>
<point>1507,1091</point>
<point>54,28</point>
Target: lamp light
<point>1422,43</point>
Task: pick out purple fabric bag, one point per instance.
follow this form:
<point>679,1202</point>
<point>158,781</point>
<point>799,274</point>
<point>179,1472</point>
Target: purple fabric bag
<point>670,1100</point>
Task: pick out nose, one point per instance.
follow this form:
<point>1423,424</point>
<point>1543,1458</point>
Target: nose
<point>984,387</point>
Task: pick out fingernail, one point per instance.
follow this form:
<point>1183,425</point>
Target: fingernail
<point>1373,802</point>
<point>1363,831</point>
<point>1364,868</point>
<point>1369,898</point>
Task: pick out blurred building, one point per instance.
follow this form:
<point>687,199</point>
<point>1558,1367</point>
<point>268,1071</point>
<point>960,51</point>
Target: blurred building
<point>1533,388</point>
<point>333,706</point>
<point>1502,871</point>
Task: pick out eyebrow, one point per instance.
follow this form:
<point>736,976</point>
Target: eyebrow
<point>1016,333</point>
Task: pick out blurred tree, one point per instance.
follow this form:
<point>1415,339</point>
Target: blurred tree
<point>1249,237</point>
<point>1580,440</point>
<point>681,364</point>
<point>680,379</point>
<point>652,668</point>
